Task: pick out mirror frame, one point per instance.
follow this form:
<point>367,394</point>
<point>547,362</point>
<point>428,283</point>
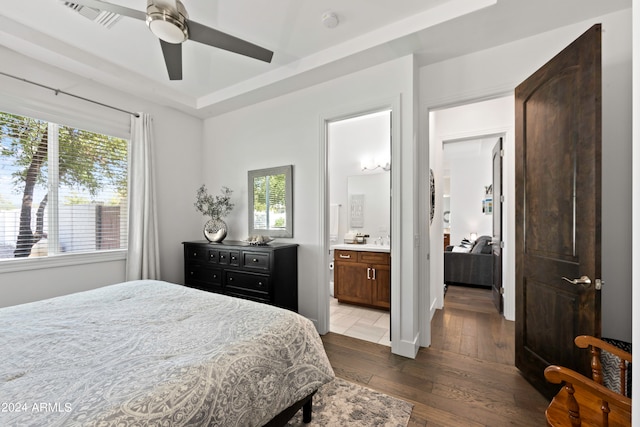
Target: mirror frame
<point>288,176</point>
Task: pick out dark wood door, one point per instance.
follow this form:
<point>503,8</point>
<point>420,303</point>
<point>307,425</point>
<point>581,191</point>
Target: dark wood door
<point>496,241</point>
<point>558,189</point>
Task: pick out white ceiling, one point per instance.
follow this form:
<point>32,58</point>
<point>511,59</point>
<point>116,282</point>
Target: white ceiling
<point>127,55</point>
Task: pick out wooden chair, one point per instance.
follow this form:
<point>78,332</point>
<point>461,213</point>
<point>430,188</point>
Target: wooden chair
<point>587,402</point>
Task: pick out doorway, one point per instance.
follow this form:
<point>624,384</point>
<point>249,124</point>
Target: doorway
<point>467,188</point>
<point>472,221</point>
<point>359,196</point>
<point>492,118</point>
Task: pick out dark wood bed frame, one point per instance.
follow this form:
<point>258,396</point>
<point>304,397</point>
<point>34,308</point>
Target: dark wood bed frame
<point>306,403</point>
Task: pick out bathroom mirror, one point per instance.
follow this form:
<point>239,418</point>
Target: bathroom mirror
<point>369,209</point>
<point>271,202</point>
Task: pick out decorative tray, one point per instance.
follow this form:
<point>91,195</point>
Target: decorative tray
<point>259,240</point>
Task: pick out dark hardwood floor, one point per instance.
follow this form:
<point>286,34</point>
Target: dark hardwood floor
<point>466,378</point>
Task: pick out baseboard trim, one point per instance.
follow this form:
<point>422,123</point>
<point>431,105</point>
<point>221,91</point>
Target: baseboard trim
<point>406,348</point>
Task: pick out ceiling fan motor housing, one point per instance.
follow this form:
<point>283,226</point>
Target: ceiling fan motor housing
<point>166,23</point>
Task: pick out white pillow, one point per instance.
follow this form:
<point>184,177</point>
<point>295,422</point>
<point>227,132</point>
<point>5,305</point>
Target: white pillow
<point>460,249</point>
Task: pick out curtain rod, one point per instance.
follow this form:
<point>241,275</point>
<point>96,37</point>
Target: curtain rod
<point>58,91</point>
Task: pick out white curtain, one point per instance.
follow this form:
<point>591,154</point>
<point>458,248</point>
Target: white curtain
<point>143,261</point>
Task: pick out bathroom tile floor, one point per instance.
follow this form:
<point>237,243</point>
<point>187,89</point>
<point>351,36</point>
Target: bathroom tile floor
<point>364,323</point>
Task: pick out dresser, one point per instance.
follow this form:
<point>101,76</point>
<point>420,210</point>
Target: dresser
<point>267,274</point>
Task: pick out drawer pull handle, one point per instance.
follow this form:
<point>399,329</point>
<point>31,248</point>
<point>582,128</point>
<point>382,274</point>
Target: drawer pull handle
<point>255,260</point>
<point>233,258</point>
<point>191,272</point>
<point>221,256</point>
<point>345,256</point>
<point>195,254</point>
<point>368,273</point>
<point>231,279</point>
<point>260,284</point>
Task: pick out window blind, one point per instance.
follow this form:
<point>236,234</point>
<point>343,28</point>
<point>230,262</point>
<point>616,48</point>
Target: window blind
<point>62,189</point>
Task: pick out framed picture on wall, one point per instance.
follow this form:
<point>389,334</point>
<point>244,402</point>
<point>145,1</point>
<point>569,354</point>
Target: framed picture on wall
<point>356,211</point>
<point>487,205</point>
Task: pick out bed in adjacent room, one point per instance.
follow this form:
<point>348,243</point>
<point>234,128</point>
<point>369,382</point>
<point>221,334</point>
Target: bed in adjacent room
<point>155,353</point>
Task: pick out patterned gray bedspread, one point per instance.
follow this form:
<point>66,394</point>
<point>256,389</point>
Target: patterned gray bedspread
<point>154,353</point>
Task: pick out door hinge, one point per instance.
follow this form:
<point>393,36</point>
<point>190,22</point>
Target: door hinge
<point>599,283</point>
<point>502,198</point>
<point>501,291</point>
<point>502,152</point>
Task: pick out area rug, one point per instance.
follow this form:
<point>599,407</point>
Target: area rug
<point>342,403</point>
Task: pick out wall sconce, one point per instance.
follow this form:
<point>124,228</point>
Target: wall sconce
<point>473,236</point>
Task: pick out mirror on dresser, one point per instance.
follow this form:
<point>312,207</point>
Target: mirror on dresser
<point>271,202</point>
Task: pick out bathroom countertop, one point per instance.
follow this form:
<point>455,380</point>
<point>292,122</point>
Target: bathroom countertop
<point>369,247</point>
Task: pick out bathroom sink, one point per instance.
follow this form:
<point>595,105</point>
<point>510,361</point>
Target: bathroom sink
<point>370,247</point>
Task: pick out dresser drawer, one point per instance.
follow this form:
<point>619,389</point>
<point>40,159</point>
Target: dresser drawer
<point>234,258</point>
<point>196,253</point>
<point>247,282</point>
<point>223,257</point>
<point>345,256</point>
<point>212,256</point>
<point>201,276</point>
<point>256,260</point>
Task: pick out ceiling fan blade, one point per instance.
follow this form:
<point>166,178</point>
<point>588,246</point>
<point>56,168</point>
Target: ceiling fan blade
<point>215,38</point>
<point>110,7</point>
<point>173,59</point>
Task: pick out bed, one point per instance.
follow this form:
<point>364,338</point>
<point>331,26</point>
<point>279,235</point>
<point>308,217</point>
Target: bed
<point>155,353</point>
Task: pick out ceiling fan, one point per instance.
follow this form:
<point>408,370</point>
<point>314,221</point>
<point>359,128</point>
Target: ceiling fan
<point>169,21</point>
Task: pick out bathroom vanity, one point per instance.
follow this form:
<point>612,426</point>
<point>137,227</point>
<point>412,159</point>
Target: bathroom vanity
<point>362,275</point>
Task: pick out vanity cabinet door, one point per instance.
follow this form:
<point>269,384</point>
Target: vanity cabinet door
<point>380,264</point>
<point>351,284</point>
<point>381,281</point>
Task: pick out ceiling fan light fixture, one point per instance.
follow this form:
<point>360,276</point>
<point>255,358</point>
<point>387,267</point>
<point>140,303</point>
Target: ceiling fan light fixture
<point>168,25</point>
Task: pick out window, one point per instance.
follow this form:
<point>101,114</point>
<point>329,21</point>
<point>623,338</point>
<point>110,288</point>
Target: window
<point>62,190</point>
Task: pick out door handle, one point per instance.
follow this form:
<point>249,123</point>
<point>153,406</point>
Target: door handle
<point>368,273</point>
<point>584,281</point>
<point>374,273</point>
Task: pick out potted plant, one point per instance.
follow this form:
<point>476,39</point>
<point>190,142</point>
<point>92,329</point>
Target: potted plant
<point>216,208</point>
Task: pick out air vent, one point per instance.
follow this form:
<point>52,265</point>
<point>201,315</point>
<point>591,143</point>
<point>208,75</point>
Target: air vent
<point>101,17</point>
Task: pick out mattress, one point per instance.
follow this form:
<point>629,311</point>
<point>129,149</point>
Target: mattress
<point>154,353</point>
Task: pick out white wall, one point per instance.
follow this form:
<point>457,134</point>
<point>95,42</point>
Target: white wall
<point>499,70</point>
<point>288,130</point>
<point>177,152</point>
<point>470,171</point>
